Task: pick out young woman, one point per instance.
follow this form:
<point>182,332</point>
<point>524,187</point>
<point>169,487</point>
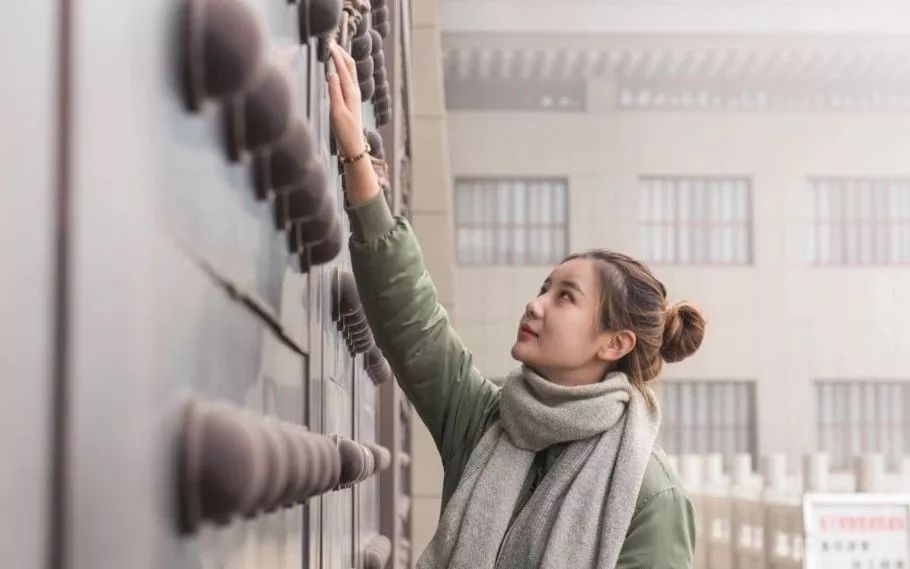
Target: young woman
<point>557,469</point>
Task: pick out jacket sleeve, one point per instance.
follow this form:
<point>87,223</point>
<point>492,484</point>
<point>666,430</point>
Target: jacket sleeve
<point>413,330</point>
<point>661,535</point>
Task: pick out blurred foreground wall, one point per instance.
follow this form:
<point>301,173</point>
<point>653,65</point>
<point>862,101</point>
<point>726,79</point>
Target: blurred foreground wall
<point>146,264</point>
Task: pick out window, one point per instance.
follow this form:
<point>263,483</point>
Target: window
<point>858,417</point>
<point>511,221</point>
<point>860,221</point>
<point>696,220</point>
<point>700,417</point>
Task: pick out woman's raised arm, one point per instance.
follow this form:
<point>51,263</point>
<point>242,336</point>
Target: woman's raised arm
<point>399,298</point>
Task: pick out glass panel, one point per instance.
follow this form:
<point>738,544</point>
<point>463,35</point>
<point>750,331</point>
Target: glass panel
<point>560,202</point>
<point>896,426</point>
<point>699,226</point>
<point>546,203</point>
<point>488,236</point>
<point>560,249</point>
<point>826,418</point>
<point>520,202</point>
<point>731,419</point>
<point>534,203</point>
<point>835,193</point>
<point>842,425</point>
<point>546,244</point>
<point>880,223</point>
<point>478,193</point>
<point>695,220</point>
<point>462,240</point>
<point>864,202</point>
<point>503,245</point>
<point>715,236</point>
<point>886,422</point>
<point>517,221</point>
<point>684,228</point>
<point>837,232</point>
<point>503,203</point>
<point>489,199</point>
<point>853,417</point>
<point>852,232</point>
<point>897,194</point>
<point>520,244</point>
<point>463,205</point>
<point>657,200</point>
<point>700,422</point>
<point>669,223</point>
<point>824,244</point>
<point>746,421</point>
<point>724,417</point>
<point>742,201</point>
<point>656,217</point>
<point>473,245</point>
<point>727,197</point>
<point>869,419</point>
<point>744,241</point>
<point>730,189</point>
<point>534,245</point>
<point>685,418</point>
<point>660,252</point>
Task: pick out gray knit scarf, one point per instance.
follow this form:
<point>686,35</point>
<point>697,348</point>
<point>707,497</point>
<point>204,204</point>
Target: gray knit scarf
<point>580,512</point>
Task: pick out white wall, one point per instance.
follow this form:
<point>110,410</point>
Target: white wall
<point>432,220</point>
<point>28,279</point>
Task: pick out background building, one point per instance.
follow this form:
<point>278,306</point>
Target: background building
<point>755,153</point>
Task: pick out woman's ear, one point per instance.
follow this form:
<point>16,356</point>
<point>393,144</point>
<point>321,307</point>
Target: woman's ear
<point>615,345</point>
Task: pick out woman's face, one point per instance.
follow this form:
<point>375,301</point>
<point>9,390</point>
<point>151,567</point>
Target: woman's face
<point>560,334</point>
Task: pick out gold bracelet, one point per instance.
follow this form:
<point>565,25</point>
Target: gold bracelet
<point>352,159</point>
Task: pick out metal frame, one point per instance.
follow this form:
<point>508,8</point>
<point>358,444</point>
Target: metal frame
<point>846,220</point>
<point>706,225</point>
<point>864,427</point>
<point>714,430</point>
<point>492,185</point>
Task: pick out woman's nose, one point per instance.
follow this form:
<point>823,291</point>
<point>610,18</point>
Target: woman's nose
<point>533,309</point>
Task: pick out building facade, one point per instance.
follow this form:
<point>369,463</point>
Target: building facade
<point>754,154</point>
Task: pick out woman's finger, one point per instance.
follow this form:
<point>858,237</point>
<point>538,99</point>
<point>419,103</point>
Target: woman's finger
<point>336,98</point>
<point>349,87</point>
<point>349,61</point>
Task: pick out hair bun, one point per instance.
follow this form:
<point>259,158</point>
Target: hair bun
<point>683,332</point>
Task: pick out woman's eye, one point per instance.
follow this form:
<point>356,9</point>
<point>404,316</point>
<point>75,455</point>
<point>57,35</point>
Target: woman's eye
<point>566,295</point>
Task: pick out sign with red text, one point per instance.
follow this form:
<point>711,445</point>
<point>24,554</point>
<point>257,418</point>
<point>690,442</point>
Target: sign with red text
<point>857,531</point>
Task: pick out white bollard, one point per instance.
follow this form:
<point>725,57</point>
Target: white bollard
<point>815,472</point>
<point>774,472</point>
<point>691,472</point>
<point>742,471</point>
<point>714,470</point>
<point>869,472</point>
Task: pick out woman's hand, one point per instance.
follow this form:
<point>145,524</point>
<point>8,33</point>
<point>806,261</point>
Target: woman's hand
<point>344,102</point>
<point>347,126</point>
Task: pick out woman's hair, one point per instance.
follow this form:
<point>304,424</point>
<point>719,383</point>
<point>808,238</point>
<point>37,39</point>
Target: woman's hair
<point>632,299</point>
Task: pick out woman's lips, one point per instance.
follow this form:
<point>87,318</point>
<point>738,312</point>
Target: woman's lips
<point>525,332</point>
